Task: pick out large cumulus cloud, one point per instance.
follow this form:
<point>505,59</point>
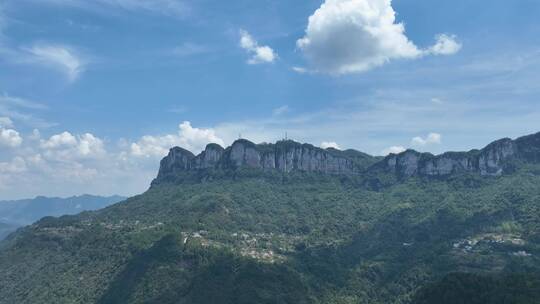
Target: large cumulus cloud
<point>346,36</point>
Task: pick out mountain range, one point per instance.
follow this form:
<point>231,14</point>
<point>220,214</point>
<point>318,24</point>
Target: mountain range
<point>292,223</point>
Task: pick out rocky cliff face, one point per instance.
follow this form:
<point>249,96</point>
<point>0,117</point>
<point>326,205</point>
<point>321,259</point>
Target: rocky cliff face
<point>287,156</point>
<point>492,160</point>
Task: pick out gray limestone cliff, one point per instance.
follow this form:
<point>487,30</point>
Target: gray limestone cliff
<point>284,156</point>
<point>287,156</point>
<point>495,159</point>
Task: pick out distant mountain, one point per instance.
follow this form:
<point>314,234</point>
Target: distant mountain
<point>293,223</point>
<point>17,213</point>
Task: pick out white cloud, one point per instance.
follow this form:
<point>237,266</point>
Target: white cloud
<point>10,138</point>
<point>393,150</point>
<point>188,137</point>
<point>64,139</point>
<point>432,138</point>
<point>281,110</point>
<point>154,146</point>
<point>330,144</point>
<point>90,146</point>
<point>17,165</point>
<point>62,162</point>
<point>59,57</point>
<point>66,146</point>
<point>347,36</point>
<point>68,163</point>
<point>437,100</point>
<point>6,122</point>
<point>259,54</point>
<point>300,70</point>
<point>445,45</point>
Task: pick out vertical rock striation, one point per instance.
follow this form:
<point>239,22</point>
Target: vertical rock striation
<point>492,160</point>
<point>287,156</point>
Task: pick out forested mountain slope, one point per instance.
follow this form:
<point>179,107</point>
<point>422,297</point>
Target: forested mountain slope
<point>291,223</point>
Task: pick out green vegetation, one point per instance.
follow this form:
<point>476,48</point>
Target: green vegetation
<point>6,229</point>
<point>168,271</point>
<point>250,237</point>
<point>461,288</point>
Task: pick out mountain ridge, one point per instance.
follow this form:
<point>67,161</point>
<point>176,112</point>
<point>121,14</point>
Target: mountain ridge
<point>287,156</point>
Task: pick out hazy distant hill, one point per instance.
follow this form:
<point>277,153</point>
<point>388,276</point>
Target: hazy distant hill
<point>292,223</point>
<point>18,213</point>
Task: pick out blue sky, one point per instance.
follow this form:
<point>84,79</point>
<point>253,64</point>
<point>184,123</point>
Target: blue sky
<point>93,93</point>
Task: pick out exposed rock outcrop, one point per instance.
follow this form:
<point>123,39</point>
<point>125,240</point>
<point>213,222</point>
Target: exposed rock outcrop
<point>492,160</point>
<point>286,156</point>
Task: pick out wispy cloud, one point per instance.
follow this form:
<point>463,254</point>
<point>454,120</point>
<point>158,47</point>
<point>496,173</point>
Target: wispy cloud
<point>59,57</point>
<point>190,49</point>
<point>178,109</point>
<point>20,102</point>
<point>63,58</point>
<point>166,7</point>
<point>23,111</point>
<point>281,110</point>
<point>2,22</point>
<point>175,8</point>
